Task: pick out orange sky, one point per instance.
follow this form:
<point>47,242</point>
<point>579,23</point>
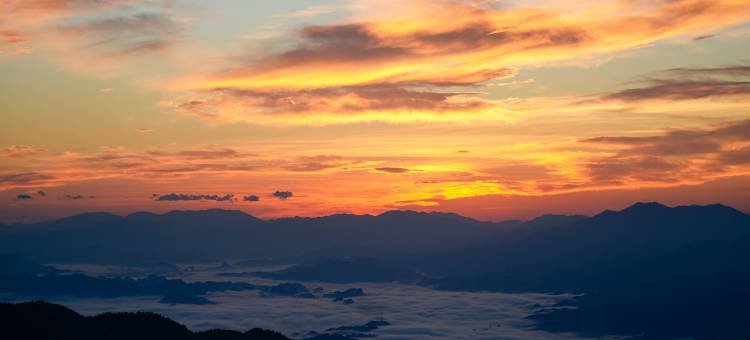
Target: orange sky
<point>492,109</point>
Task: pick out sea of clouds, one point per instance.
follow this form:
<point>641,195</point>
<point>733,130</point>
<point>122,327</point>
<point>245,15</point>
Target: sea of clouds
<point>414,312</point>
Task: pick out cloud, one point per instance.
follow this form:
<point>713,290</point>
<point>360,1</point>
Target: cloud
<point>98,37</point>
<point>22,179</point>
<point>251,198</point>
<point>307,12</point>
<point>739,156</point>
<point>680,142</point>
<point>144,130</point>
<point>514,84</point>
<point>690,84</point>
<point>674,156</point>
<point>414,312</point>
<point>393,170</point>
<point>46,6</point>
<point>11,37</point>
<point>414,62</point>
<point>31,196</point>
<point>105,90</point>
<point>327,49</point>
<point>682,90</point>
<point>704,37</point>
<point>648,168</point>
<point>317,163</point>
<point>282,195</point>
<point>333,105</point>
<point>165,164</point>
<point>396,67</point>
<point>124,35</point>
<point>77,197</point>
<point>190,197</point>
<point>19,151</point>
<point>208,153</point>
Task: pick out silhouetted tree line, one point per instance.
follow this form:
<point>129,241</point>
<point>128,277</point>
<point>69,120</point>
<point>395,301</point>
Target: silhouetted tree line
<point>43,320</point>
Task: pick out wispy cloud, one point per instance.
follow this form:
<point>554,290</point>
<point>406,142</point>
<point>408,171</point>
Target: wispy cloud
<point>394,67</point>
<point>307,12</point>
<point>96,37</point>
<point>690,83</point>
<point>23,179</point>
<point>19,151</point>
<point>678,155</point>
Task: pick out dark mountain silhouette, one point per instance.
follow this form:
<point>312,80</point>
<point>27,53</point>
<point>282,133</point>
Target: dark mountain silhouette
<point>555,259</point>
<point>47,321</point>
<point>648,270</point>
<point>697,291</point>
<point>216,235</point>
<point>545,222</point>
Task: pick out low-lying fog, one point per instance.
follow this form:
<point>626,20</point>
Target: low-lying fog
<point>413,312</point>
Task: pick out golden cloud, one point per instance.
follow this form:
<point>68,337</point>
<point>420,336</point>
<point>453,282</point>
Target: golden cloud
<point>392,68</point>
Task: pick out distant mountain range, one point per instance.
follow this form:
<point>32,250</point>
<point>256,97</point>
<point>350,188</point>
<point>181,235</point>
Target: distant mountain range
<point>215,235</point>
<point>648,271</point>
<point>642,231</point>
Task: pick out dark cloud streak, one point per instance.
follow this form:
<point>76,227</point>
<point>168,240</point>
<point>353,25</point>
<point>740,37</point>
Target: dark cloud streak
<point>393,170</point>
<point>689,84</point>
<point>282,195</point>
<point>190,197</point>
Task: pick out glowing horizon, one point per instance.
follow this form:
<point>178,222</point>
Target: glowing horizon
<point>491,109</point>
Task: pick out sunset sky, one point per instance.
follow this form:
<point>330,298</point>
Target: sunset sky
<point>491,109</point>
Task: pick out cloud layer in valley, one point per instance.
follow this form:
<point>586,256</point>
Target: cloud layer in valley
<point>414,312</point>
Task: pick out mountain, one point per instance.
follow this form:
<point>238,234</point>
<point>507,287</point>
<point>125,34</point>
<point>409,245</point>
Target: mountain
<point>648,271</point>
<point>475,257</point>
<point>46,321</point>
<point>217,235</point>
<point>698,291</point>
<point>558,259</point>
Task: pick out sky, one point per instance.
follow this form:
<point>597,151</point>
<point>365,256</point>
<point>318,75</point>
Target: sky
<point>491,109</point>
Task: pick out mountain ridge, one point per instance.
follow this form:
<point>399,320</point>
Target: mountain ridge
<point>638,205</point>
<point>217,234</point>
